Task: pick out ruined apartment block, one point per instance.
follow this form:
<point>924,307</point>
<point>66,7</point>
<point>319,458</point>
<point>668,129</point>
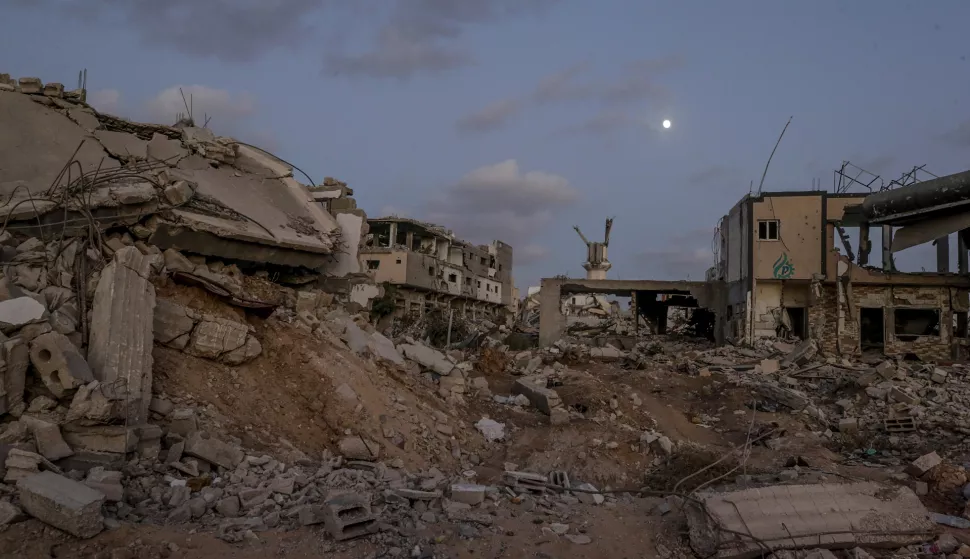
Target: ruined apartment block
<point>790,262</point>
<point>433,269</point>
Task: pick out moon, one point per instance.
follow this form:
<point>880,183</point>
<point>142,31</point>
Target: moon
<point>666,124</point>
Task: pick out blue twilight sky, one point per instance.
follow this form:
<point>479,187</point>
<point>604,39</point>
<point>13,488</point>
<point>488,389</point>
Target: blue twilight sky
<point>516,119</point>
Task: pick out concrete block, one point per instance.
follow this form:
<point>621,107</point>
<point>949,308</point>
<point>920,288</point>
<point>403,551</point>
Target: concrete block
<point>178,193</point>
<point>938,376</point>
<point>429,358</point>
<point>214,451</point>
<point>47,436</point>
<point>848,425</point>
<point>31,86</point>
<point>10,514</point>
<point>213,337</point>
<point>115,439</point>
<point>897,394</point>
<point>358,448</point>
<point>886,370</point>
<point>349,516</point>
<point>183,422</point>
<point>541,397</point>
<point>120,346</point>
<point>63,503</point>
<point>59,363</point>
<point>19,312</point>
<point>924,464</point>
<point>769,366</point>
<point>175,261</point>
<point>107,482</point>
<point>228,507</point>
<point>170,321</point>
<point>467,493</point>
<point>96,402</point>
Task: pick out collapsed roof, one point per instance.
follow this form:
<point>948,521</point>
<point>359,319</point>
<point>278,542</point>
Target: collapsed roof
<point>68,166</point>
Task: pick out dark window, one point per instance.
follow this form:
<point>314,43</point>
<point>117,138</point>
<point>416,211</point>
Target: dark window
<point>911,323</point>
<point>468,281</point>
<point>430,270</point>
<point>398,261</point>
<point>960,329</point>
<point>484,262</point>
<point>373,264</point>
<point>479,284</point>
<point>768,230</point>
<point>452,278</point>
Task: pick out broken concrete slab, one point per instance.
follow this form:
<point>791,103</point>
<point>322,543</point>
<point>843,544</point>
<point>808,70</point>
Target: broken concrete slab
<point>122,337</point>
<point>383,348</point>
<point>59,363</point>
<point>784,396</point>
<point>170,321</point>
<point>97,402</point>
<point>19,312</point>
<point>428,357</point>
<point>212,450</point>
<point>215,336</point>
<point>63,503</point>
<point>116,439</point>
<point>359,448</point>
<point>123,146</point>
<point>47,436</point>
<point>249,351</point>
<point>545,399</point>
<point>161,148</point>
<point>21,463</point>
<point>13,374</point>
<point>790,517</point>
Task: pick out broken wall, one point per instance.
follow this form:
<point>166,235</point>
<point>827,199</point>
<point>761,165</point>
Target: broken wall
<point>769,299</point>
<point>835,324</point>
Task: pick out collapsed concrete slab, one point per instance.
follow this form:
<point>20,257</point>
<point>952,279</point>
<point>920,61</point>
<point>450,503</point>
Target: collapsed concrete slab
<point>214,451</point>
<point>428,357</point>
<point>63,503</point>
<point>545,399</point>
<point>120,346</point>
<point>739,524</point>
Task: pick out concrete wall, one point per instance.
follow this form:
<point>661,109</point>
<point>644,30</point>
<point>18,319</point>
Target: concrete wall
<point>737,243</point>
<point>797,253</point>
<point>768,299</point>
<point>392,266</point>
<point>353,227</point>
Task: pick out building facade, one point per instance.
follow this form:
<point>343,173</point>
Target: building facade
<point>790,264</point>
<point>431,269</point>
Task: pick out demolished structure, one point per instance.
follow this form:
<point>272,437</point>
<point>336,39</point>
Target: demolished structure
<point>789,265</point>
<point>432,269</point>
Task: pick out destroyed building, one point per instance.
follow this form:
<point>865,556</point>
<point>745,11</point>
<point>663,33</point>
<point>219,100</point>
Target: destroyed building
<point>793,264</point>
<point>431,268</point>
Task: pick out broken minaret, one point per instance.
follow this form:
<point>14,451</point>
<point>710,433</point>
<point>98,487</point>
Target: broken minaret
<point>596,264</point>
<point>120,348</point>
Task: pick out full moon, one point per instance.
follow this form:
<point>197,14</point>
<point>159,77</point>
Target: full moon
<point>666,124</point>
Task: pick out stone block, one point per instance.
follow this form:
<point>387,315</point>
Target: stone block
<point>63,503</point>
<point>120,345</point>
<point>249,351</point>
<point>31,86</point>
<point>20,464</point>
<point>359,448</point>
<point>545,399</point>
<point>468,493</point>
<point>897,394</point>
<point>178,193</point>
<point>59,363</point>
<point>886,370</point>
<point>214,451</point>
<point>108,482</point>
<point>228,507</point>
<point>558,416</point>
<point>924,464</point>
<point>47,436</point>
<point>10,514</point>
<point>175,261</point>
<point>183,422</point>
<point>938,376</point>
<point>769,366</point>
<point>97,402</point>
<point>349,516</point>
<point>115,439</point>
<point>54,89</point>
<point>19,312</point>
<point>170,321</point>
<point>848,425</point>
<point>213,337</point>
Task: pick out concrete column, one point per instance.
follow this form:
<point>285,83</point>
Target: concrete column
<point>961,253</point>
<point>410,241</point>
<point>887,247</point>
<point>552,322</point>
<point>392,235</point>
<point>943,254</point>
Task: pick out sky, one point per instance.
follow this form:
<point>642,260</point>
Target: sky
<point>517,119</point>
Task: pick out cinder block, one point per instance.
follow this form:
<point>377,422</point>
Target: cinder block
<point>349,516</point>
<point>59,363</point>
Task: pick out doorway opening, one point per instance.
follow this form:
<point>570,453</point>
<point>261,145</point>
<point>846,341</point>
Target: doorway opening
<point>871,328</point>
<point>798,316</point>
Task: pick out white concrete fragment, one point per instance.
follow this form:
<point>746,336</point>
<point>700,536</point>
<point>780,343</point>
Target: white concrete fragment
<point>63,503</point>
<point>19,312</point>
<point>120,346</point>
<point>428,357</point>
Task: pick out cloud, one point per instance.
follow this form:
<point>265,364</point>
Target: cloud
<point>229,30</point>
<point>224,108</point>
<point>501,202</point>
<point>636,83</point>
<point>105,100</point>
<point>686,255</point>
<point>490,117</point>
<point>423,37</point>
<point>958,136</point>
<point>713,174</point>
<point>529,254</point>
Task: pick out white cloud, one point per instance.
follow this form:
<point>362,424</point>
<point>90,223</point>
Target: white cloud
<point>219,104</point>
<point>501,202</point>
<point>105,100</point>
<point>489,117</point>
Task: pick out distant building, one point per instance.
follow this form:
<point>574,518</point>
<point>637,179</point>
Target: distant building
<point>434,269</point>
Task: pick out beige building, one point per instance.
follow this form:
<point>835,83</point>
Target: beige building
<point>433,269</point>
<point>789,263</point>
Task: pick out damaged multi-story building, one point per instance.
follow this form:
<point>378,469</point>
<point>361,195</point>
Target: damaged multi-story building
<point>799,263</point>
<point>431,268</point>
